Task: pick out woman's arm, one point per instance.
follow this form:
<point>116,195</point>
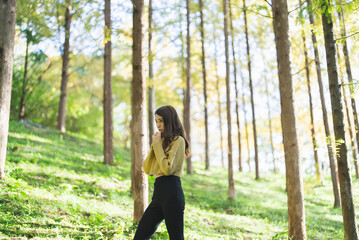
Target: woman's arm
<point>147,162</point>
<point>166,161</point>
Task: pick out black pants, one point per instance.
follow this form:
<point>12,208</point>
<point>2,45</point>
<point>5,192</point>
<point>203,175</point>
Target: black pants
<point>168,203</point>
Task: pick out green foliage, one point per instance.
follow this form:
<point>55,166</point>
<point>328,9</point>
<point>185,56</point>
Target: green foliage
<point>57,187</point>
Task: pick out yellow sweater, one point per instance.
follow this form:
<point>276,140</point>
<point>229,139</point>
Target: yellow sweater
<point>171,163</point>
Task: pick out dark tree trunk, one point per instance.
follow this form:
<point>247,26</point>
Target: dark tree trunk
<point>7,35</point>
<point>231,190</point>
<point>204,86</point>
<point>108,126</point>
<point>61,117</point>
<point>151,89</point>
<point>294,184</point>
<point>236,90</point>
<point>251,90</point>
<point>138,125</point>
<point>24,81</point>
<point>324,113</point>
<point>350,226</point>
<point>187,98</point>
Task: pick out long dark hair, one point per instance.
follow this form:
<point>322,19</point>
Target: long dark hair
<point>172,127</point>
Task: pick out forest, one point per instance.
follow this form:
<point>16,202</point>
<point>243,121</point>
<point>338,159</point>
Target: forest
<point>266,91</point>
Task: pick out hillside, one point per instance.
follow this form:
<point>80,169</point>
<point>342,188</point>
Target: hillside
<point>58,188</point>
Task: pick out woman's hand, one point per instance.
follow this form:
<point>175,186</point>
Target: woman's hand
<point>156,137</point>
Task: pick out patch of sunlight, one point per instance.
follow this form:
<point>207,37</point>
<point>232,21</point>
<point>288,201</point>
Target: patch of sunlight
<point>90,157</point>
<point>30,137</point>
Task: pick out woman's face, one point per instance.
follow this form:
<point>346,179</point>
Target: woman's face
<point>159,123</point>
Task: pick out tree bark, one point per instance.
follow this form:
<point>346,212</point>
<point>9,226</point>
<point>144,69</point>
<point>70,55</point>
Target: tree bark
<point>139,137</point>
<point>187,98</point>
<point>236,90</point>
<point>350,226</point>
<point>348,119</point>
<point>324,113</point>
<point>151,90</point>
<point>312,127</point>
<point>231,190</point>
<point>350,79</point>
<point>61,117</point>
<point>24,81</point>
<point>294,184</point>
<point>7,35</point>
<point>203,59</point>
<point>251,90</point>
<point>108,125</point>
<point>218,99</point>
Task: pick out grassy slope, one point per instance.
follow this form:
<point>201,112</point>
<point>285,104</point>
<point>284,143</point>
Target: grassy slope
<point>58,188</point>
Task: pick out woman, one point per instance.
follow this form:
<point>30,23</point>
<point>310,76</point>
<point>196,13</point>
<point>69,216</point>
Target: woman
<point>165,161</point>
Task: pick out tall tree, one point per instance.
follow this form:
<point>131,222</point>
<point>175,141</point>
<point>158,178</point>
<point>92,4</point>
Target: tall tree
<point>7,35</point>
<point>349,71</point>
<point>349,219</point>
<point>312,128</point>
<point>348,118</point>
<point>324,109</point>
<point>61,117</point>
<point>107,93</point>
<point>231,190</point>
<point>139,136</point>
<point>187,97</point>
<point>203,59</point>
<point>151,89</point>
<point>235,88</point>
<point>294,183</point>
<point>218,98</point>
<point>251,90</point>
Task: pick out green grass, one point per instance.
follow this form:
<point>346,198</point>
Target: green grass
<point>57,188</point>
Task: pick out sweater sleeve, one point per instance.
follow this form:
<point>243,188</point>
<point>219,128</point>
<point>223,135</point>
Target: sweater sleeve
<point>166,161</point>
<point>147,162</point>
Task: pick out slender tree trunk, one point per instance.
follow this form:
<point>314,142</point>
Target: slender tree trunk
<point>218,99</point>
<point>231,190</point>
<point>204,86</point>
<point>61,117</point>
<point>139,137</point>
<point>312,127</point>
<point>151,90</point>
<point>108,126</point>
<point>325,115</point>
<point>296,215</point>
<point>350,78</point>
<point>350,226</point>
<point>24,80</point>
<point>7,35</point>
<point>246,126</point>
<point>251,89</point>
<point>187,99</point>
<point>348,119</point>
<point>236,90</point>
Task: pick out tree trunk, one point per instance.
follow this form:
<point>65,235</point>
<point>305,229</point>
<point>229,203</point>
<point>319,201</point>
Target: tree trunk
<point>108,126</point>
<point>312,128</point>
<point>251,90</point>
<point>7,35</point>
<point>139,137</point>
<point>204,86</point>
<point>236,90</point>
<point>187,98</point>
<point>24,80</point>
<point>218,99</point>
<point>61,117</point>
<point>350,227</point>
<point>231,190</point>
<point>151,90</point>
<point>350,79</point>
<point>348,119</point>
<point>324,113</point>
<point>294,184</point>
